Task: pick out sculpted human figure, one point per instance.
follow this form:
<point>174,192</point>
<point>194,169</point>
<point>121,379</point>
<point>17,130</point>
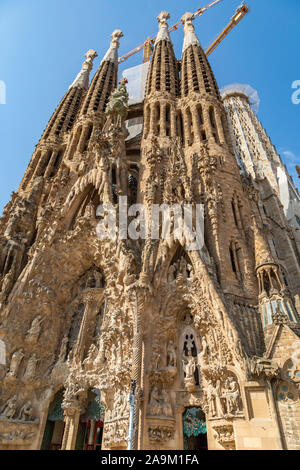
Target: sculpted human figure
<point>213,396</point>
<point>183,267</point>
<point>232,395</point>
<point>189,368</point>
<point>26,412</point>
<point>171,273</point>
<point>203,355</point>
<point>155,408</point>
<point>166,403</point>
<point>63,349</point>
<point>35,329</point>
<point>31,366</point>
<point>171,354</point>
<point>15,362</point>
<point>10,408</point>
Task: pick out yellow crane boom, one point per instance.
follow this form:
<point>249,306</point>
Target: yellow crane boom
<point>147,45</point>
<point>237,17</point>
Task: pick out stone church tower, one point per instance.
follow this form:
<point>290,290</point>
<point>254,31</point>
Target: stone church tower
<point>208,335</point>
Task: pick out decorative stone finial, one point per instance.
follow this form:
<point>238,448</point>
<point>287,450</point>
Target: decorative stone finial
<point>190,37</point>
<point>163,33</point>
<point>163,17</point>
<point>112,53</point>
<point>82,79</point>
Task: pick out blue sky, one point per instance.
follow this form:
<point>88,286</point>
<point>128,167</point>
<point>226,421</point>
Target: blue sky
<point>43,42</point>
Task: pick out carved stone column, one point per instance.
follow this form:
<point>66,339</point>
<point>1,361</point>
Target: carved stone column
<point>72,416</point>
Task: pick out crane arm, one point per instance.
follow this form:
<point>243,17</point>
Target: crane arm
<point>151,41</point>
<point>237,17</point>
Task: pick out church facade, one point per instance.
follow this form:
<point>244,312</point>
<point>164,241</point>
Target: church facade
<point>209,336</point>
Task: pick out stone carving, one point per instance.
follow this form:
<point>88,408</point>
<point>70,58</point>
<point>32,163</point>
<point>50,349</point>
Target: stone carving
<point>25,413</point>
<point>160,434</point>
<point>189,367</point>
<point>118,103</point>
<point>35,330</point>
<point>31,367</point>
<point>214,399</point>
<point>10,408</point>
<point>171,354</point>
<point>15,362</point>
<point>224,397</point>
<point>262,367</point>
<point>159,404</point>
<point>225,435</point>
<point>63,349</point>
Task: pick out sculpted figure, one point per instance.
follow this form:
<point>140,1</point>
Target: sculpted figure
<point>183,267</point>
<point>213,396</point>
<point>166,404</point>
<point>63,349</point>
<point>35,329</point>
<point>171,354</point>
<point>10,408</point>
<point>171,273</point>
<point>15,362</point>
<point>31,366</point>
<point>26,412</point>
<point>189,368</point>
<point>155,408</point>
<point>232,395</point>
<point>203,356</point>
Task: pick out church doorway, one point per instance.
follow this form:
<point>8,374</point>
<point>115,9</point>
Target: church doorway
<point>194,429</point>
<point>54,428</point>
<point>90,428</point>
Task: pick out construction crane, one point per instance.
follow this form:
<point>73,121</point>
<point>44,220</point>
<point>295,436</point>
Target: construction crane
<point>147,45</point>
<point>237,17</point>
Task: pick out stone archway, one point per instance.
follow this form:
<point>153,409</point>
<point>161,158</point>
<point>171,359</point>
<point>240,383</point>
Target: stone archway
<point>54,428</point>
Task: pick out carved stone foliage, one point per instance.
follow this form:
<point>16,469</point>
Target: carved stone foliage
<point>224,435</point>
<point>159,434</point>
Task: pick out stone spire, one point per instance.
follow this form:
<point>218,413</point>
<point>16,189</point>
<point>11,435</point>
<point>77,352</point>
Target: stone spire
<point>105,79</point>
<point>163,72</point>
<point>163,33</point>
<point>196,73</point>
<point>51,147</point>
<point>190,36</point>
<point>82,79</point>
<point>112,53</point>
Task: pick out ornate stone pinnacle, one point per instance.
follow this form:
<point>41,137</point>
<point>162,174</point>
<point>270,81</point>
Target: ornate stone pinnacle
<point>116,35</point>
<point>112,53</point>
<point>187,18</point>
<point>91,55</point>
<point>163,33</point>
<point>163,17</point>
<point>190,37</point>
<point>82,79</point>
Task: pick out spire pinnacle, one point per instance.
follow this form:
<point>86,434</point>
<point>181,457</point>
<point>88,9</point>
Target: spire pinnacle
<point>190,36</point>
<point>112,53</point>
<point>82,79</point>
<point>163,33</point>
